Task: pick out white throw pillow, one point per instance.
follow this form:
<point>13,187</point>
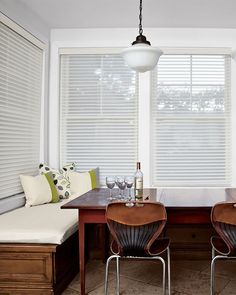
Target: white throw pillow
<point>82,182</point>
<point>37,189</point>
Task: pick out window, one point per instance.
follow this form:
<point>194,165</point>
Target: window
<point>20,100</point>
<point>98,113</point>
<point>191,121</point>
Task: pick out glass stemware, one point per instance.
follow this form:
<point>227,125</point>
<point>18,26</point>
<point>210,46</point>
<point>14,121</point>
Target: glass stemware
<point>110,182</point>
<point>129,180</point>
<point>120,181</point>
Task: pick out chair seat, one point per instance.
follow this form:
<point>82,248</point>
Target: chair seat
<point>159,246</point>
<point>220,246</point>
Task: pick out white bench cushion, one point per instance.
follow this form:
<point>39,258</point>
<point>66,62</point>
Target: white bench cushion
<point>44,224</point>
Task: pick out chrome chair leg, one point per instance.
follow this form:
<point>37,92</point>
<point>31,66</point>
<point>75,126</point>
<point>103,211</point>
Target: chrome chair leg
<point>151,258</point>
<point>106,274</point>
<point>212,253</point>
<point>213,270</point>
<point>164,273</point>
<point>213,275</point>
<point>168,270</point>
<point>107,271</point>
<point>164,277</point>
<point>117,275</point>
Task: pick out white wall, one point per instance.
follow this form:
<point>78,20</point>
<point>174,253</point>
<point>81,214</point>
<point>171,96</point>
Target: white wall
<point>163,38</point>
<point>28,20</point>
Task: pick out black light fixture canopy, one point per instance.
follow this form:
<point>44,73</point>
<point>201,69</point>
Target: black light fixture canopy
<point>141,39</point>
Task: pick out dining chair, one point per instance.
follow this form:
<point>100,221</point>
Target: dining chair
<point>223,218</point>
<point>135,229</point>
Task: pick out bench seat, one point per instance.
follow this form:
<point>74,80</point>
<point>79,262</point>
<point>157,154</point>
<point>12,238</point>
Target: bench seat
<point>38,249</point>
<point>38,224</point>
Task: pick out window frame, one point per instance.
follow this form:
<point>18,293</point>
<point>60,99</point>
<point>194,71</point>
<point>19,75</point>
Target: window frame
<point>42,46</point>
<point>90,51</point>
<point>224,51</point>
<point>60,40</point>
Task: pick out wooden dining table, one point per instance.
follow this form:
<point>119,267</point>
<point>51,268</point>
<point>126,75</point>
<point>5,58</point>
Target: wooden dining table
<point>184,206</point>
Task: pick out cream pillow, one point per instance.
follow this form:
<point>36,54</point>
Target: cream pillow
<point>37,189</point>
<point>82,182</point>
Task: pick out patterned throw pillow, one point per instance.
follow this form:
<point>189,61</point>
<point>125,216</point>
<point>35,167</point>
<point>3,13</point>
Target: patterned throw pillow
<point>60,178</point>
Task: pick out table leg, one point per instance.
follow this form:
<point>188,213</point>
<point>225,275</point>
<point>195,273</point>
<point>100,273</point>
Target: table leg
<point>86,216</point>
<point>81,256</point>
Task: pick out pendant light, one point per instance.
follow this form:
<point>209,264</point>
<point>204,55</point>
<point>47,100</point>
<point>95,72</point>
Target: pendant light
<point>141,57</point>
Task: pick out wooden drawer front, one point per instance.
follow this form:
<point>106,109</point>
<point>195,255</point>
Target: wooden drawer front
<point>26,268</point>
<point>194,216</point>
<point>189,235</point>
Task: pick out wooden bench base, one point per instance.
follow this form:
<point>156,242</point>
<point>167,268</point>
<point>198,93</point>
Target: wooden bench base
<point>40,269</point>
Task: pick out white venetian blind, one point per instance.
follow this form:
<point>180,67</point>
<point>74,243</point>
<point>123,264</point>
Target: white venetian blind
<point>99,113</point>
<point>20,104</point>
<point>191,136</point>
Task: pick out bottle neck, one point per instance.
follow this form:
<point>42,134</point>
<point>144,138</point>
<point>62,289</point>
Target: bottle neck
<point>138,166</point>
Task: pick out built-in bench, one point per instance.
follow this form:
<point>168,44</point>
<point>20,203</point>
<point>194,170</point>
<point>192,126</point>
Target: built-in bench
<point>38,249</point>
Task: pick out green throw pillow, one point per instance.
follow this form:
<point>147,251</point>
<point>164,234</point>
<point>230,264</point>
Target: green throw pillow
<point>55,196</point>
<point>93,178</point>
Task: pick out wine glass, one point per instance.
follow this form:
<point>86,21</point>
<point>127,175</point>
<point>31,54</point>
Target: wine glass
<point>120,181</point>
<point>110,182</point>
<point>129,180</point>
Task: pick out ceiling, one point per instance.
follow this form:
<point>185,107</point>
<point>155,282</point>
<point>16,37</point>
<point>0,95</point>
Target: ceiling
<point>124,13</point>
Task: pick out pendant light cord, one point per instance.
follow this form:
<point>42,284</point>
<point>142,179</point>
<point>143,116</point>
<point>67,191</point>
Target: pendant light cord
<point>141,39</point>
<point>140,18</point>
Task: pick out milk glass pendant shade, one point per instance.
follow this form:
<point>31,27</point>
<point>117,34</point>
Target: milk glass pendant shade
<point>141,57</point>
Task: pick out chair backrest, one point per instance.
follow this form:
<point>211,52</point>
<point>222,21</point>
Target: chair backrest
<point>135,228</point>
<point>223,218</point>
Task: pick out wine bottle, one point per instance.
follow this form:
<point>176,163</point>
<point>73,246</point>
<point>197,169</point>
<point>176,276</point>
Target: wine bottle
<point>138,182</point>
